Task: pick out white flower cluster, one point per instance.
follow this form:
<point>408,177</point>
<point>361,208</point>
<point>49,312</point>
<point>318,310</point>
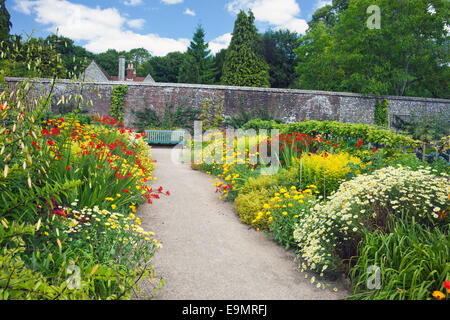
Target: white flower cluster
<point>355,204</point>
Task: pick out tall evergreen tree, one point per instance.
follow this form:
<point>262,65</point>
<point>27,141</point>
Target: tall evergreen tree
<point>242,65</point>
<point>5,23</point>
<point>198,64</point>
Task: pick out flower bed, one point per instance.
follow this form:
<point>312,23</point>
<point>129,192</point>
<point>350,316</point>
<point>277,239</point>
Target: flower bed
<point>70,198</point>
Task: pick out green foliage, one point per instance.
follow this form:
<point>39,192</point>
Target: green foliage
<point>74,58</point>
<point>219,59</point>
<point>247,206</point>
<point>42,172</point>
<point>198,64</point>
<point>163,69</point>
<point>324,172</point>
<point>286,209</point>
<point>212,115</point>
<point>253,116</point>
<point>426,126</point>
<point>331,231</point>
<point>5,22</point>
<point>183,117</point>
<point>117,101</point>
<point>408,55</point>
<point>31,58</point>
<point>382,113</point>
<point>413,261</point>
<point>278,51</point>
<point>258,124</point>
<point>366,133</point>
<point>259,183</point>
<point>242,66</point>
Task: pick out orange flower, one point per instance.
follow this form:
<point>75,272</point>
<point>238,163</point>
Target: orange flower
<point>438,295</point>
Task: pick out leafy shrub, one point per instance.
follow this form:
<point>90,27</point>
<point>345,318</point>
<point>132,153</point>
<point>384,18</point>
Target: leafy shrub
<point>331,230</point>
<point>212,115</point>
<point>424,125</point>
<point>325,171</point>
<point>183,117</point>
<point>284,210</point>
<point>117,101</point>
<point>249,205</point>
<point>258,124</point>
<point>355,131</point>
<point>258,183</point>
<point>382,113</point>
<point>413,261</point>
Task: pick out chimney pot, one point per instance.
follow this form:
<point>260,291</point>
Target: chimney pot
<point>121,68</point>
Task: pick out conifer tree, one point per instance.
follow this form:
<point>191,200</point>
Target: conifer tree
<point>5,23</point>
<point>198,64</point>
<point>242,65</point>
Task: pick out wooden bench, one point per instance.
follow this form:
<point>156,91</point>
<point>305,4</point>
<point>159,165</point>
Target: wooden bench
<point>165,136</point>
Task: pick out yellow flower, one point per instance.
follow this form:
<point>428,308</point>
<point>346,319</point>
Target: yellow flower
<point>113,206</point>
<point>438,294</point>
<point>109,199</point>
<point>284,213</point>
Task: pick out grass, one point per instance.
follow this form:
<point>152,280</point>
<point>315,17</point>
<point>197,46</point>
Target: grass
<point>413,261</point>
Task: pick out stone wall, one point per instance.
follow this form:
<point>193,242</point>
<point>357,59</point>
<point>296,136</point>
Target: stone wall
<point>286,104</point>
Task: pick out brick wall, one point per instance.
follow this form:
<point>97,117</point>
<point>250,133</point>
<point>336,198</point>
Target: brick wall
<point>289,105</point>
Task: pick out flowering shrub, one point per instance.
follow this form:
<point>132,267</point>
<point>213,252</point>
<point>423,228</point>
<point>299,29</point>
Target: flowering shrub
<point>332,229</point>
<point>326,171</point>
<point>103,168</point>
<point>284,210</point>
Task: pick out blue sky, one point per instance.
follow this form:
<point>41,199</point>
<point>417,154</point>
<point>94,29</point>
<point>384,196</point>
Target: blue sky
<point>160,26</point>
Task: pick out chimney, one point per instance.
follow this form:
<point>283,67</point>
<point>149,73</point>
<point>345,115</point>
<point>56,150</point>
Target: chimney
<point>121,68</point>
<point>131,72</point>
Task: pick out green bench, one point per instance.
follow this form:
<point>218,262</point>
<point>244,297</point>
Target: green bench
<point>165,136</point>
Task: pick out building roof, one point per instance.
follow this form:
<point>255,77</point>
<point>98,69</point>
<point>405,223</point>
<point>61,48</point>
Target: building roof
<point>95,72</point>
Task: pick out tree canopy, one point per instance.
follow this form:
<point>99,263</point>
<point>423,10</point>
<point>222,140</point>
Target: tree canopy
<point>242,65</point>
<point>408,55</point>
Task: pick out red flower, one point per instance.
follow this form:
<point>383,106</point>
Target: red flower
<point>51,142</point>
<point>335,145</point>
<point>125,190</point>
<point>168,193</point>
<point>68,168</point>
<point>160,189</point>
<point>447,285</point>
<point>34,143</point>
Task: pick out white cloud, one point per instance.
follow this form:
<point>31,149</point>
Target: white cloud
<point>132,2</point>
<point>136,23</point>
<point>189,12</point>
<point>322,3</point>
<point>282,14</point>
<point>23,6</point>
<point>220,43</point>
<point>101,29</point>
<point>171,1</point>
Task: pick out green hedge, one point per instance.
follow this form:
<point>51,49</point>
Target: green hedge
<point>364,132</point>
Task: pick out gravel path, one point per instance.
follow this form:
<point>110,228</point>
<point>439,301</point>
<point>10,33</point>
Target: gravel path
<point>207,253</point>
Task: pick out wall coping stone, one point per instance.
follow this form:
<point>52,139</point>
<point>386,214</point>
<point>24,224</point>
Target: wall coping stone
<point>222,87</point>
